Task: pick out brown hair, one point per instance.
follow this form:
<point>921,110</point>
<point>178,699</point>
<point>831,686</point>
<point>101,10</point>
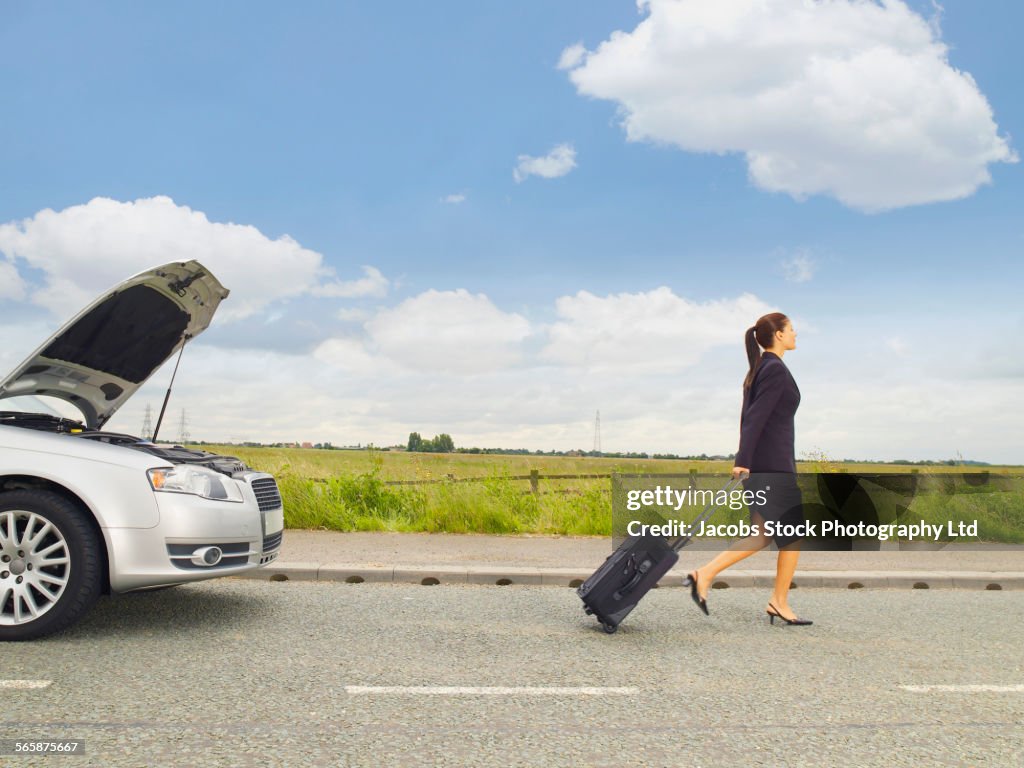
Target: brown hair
<point>761,335</point>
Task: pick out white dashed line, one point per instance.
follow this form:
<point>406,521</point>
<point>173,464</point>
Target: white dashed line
<point>963,688</point>
<point>25,684</point>
<point>449,690</point>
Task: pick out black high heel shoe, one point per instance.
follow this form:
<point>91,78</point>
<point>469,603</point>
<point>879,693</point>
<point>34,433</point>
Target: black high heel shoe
<point>772,611</point>
<point>700,601</point>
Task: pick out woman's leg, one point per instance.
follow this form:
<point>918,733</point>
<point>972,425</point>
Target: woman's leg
<point>788,557</point>
<point>739,551</point>
<point>789,552</point>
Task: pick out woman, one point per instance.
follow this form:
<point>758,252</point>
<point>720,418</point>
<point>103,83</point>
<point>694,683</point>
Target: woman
<point>770,399</point>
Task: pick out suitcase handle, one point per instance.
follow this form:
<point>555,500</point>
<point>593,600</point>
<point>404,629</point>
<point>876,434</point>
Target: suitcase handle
<point>641,569</point>
<point>682,541</point>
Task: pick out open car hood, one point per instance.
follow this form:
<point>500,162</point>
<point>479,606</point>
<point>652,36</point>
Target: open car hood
<point>99,358</point>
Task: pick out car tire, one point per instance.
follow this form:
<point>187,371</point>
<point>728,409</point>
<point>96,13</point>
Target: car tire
<point>50,564</point>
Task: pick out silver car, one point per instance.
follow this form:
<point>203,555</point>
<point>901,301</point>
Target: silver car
<point>85,511</point>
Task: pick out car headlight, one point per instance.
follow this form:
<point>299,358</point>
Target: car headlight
<point>198,481</point>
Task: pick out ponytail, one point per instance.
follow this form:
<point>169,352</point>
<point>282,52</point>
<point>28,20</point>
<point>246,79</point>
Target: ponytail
<point>753,355</point>
<point>761,335</point>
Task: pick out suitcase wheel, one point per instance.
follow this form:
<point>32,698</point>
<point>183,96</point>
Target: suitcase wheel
<point>588,611</point>
<point>611,629</point>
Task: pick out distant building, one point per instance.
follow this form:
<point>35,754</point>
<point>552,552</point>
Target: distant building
<point>307,445</point>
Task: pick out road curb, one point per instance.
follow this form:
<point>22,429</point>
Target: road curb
<point>571,577</point>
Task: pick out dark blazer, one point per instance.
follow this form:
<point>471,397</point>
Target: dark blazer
<point>766,423</point>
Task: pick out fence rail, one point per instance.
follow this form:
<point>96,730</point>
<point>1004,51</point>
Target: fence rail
<point>534,477</point>
<point>693,474</point>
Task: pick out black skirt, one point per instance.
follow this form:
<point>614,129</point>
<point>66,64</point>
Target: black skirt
<point>783,505</point>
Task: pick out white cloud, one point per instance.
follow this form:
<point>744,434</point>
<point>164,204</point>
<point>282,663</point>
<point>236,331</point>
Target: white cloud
<point>656,330</point>
<point>909,418</point>
<point>11,284</point>
<point>453,331</point>
<point>456,332</point>
<point>85,249</point>
<point>352,356</point>
<point>373,283</point>
<point>848,98</point>
<point>664,370</point>
<point>19,338</point>
<point>352,314</point>
<point>348,395</point>
<point>558,162</point>
<point>799,268</point>
<point>378,388</point>
<point>897,345</point>
<point>454,199</point>
<point>572,56</point>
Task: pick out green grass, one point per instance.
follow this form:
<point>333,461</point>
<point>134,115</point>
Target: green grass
<point>1000,516</point>
<point>347,491</point>
<point>496,505</point>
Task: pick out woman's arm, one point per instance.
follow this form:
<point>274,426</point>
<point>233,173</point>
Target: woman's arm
<point>770,384</point>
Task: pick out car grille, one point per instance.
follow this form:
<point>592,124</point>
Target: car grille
<point>235,553</point>
<point>273,541</point>
<point>267,495</point>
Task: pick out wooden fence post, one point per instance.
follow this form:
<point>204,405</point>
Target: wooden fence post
<point>535,482</point>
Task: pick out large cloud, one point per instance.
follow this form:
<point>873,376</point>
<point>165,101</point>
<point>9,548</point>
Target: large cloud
<point>656,330</point>
<point>11,284</point>
<point>851,98</point>
<point>453,331</point>
<point>665,372</point>
<point>349,395</point>
<point>84,249</point>
<point>663,369</point>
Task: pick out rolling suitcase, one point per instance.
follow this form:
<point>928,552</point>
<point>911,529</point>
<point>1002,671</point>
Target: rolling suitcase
<point>632,570</point>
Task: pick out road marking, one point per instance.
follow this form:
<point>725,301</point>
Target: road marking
<point>25,684</point>
<point>476,690</point>
<point>964,688</point>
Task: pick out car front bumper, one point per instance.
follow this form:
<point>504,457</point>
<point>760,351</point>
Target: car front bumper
<point>249,534</point>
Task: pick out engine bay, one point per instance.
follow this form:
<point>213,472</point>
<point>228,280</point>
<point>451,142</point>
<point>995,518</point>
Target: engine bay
<point>175,454</point>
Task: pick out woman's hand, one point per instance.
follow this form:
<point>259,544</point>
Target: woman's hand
<point>740,472</point>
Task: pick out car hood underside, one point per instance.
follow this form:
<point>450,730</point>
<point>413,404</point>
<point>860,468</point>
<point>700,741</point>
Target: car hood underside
<point>101,357</point>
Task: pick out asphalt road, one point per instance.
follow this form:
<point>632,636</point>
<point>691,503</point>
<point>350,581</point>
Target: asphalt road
<point>240,673</point>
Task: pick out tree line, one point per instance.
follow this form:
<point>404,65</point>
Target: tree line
<point>442,443</point>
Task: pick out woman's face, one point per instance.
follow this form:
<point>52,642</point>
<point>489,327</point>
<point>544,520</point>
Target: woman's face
<point>787,336</point>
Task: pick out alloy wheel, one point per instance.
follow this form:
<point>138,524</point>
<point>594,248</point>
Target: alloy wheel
<point>35,566</point>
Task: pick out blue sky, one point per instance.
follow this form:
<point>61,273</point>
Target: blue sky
<point>347,126</point>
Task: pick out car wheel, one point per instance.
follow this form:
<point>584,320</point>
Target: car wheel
<point>49,564</point>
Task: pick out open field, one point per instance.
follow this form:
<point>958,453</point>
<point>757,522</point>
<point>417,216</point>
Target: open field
<point>400,465</point>
<point>352,491</point>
